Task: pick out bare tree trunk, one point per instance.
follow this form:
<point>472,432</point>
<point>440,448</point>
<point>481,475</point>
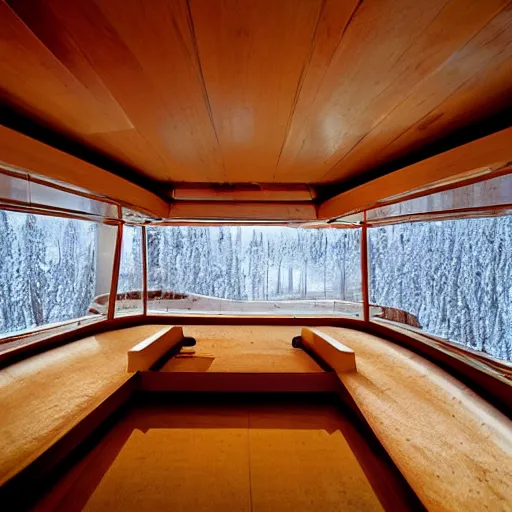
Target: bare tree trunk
<point>306,280</point>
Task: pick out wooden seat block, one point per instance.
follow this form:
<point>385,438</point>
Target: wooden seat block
<point>339,357</point>
<point>148,352</point>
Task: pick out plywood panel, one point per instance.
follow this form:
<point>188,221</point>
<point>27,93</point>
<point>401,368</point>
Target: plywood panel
<point>252,58</point>
<point>451,446</point>
<point>294,91</point>
<point>308,469</point>
<point>441,103</point>
<point>160,36</point>
<point>34,79</point>
<point>371,73</point>
<point>221,456</point>
<point>43,397</point>
<point>180,470</point>
<point>242,349</point>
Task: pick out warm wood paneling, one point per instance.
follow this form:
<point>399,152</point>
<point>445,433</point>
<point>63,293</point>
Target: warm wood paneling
<point>489,152</point>
<point>451,446</point>
<point>235,210</point>
<point>390,50</point>
<point>460,90</point>
<point>43,397</point>
<point>293,91</point>
<point>34,79</point>
<point>22,152</point>
<point>252,55</point>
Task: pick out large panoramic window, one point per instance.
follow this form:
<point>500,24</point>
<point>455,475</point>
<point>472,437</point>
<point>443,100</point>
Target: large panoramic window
<point>254,270</point>
<point>453,279</point>
<point>51,270</point>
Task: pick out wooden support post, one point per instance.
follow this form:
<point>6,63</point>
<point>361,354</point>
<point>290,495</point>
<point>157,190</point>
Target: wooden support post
<point>115,273</point>
<point>364,270</point>
<point>144,272</point>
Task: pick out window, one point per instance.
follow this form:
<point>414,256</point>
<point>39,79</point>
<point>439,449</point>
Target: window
<point>454,279</point>
<point>52,270</point>
<point>129,299</point>
<point>254,270</point>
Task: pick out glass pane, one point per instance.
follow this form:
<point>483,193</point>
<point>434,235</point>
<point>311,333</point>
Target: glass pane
<point>254,270</point>
<point>129,287</point>
<point>453,279</point>
<point>51,270</point>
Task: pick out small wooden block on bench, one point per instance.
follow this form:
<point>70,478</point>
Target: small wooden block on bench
<point>145,354</point>
<point>339,357</point>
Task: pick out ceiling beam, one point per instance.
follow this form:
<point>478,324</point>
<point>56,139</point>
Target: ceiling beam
<point>24,153</point>
<point>259,192</point>
<point>237,210</point>
<point>488,152</point>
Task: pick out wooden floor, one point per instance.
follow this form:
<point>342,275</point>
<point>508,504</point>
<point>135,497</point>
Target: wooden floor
<point>242,456</point>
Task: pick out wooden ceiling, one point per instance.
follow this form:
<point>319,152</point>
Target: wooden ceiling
<point>268,91</point>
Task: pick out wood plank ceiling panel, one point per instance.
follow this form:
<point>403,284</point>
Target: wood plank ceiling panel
<point>293,91</point>
<point>390,51</point>
<point>252,54</point>
<point>34,79</point>
<point>472,84</point>
<point>144,54</point>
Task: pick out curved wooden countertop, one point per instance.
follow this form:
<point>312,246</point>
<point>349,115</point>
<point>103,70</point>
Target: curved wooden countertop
<point>454,449</point>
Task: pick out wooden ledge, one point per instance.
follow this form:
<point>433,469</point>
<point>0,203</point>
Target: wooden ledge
<point>145,354</point>
<point>339,357</point>
<point>240,382</point>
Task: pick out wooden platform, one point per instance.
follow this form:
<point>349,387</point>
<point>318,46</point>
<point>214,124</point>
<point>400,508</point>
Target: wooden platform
<point>242,349</point>
<point>43,397</point>
<point>452,447</point>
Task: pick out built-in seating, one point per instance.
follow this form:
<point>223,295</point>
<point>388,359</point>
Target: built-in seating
<point>453,448</point>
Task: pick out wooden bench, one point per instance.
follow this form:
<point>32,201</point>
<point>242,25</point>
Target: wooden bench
<point>452,446</point>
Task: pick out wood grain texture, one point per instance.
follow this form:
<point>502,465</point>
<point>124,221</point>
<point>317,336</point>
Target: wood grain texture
<point>249,349</point>
<point>252,70</point>
<point>452,446</point>
<point>490,152</point>
<point>22,152</point>
<point>454,449</point>
<point>44,396</point>
<point>295,91</point>
<point>339,357</point>
<point>446,99</point>
<point>236,210</point>
<point>147,352</point>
